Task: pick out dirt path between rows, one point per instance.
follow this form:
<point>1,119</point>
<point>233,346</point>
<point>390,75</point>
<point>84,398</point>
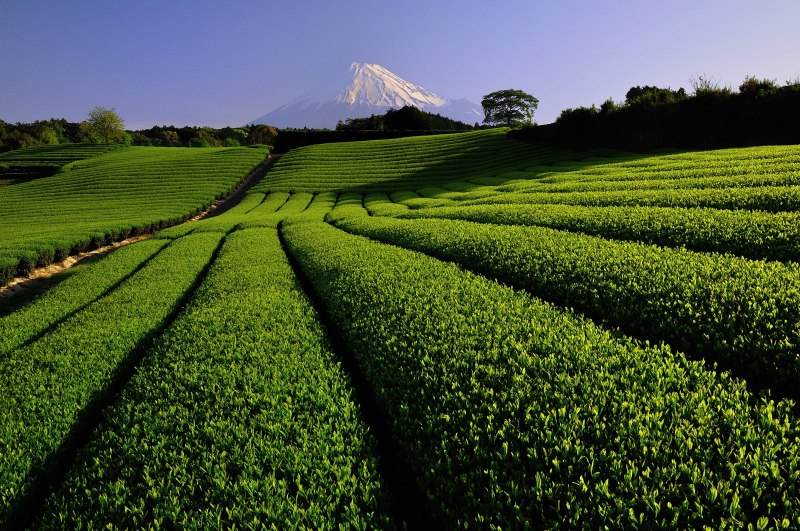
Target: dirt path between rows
<point>19,283</point>
<point>40,275</point>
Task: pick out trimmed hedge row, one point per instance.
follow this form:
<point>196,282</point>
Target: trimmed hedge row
<point>769,199</point>
<point>515,414</point>
<point>743,314</point>
<point>752,234</point>
<point>48,384</point>
<point>239,417</point>
<point>107,198</point>
<point>403,163</point>
<point>82,287</point>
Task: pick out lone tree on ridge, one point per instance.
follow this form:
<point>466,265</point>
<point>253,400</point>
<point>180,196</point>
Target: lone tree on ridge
<point>510,107</point>
<point>106,126</point>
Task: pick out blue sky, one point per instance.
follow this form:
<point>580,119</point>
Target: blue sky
<point>225,63</point>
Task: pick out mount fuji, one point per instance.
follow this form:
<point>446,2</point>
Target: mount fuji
<point>365,89</point>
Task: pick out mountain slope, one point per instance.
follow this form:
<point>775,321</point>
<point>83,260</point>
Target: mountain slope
<point>365,89</point>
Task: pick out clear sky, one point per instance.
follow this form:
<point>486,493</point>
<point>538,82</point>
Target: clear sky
<point>228,62</point>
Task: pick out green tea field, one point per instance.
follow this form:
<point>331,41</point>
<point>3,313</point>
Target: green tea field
<point>101,196</point>
<point>443,332</point>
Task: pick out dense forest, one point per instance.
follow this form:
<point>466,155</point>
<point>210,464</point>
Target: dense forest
<point>760,113</point>
<point>60,131</point>
<point>407,118</point>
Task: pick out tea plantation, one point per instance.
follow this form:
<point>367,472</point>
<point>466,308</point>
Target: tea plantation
<point>108,197</point>
<point>455,331</point>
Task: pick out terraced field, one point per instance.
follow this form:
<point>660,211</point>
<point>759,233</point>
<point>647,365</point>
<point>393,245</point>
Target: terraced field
<point>403,164</point>
<point>23,165</point>
<point>448,332</point>
<point>54,155</point>
<point>108,197</point>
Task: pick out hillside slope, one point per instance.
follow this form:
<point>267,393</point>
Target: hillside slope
<point>43,161</point>
<point>107,197</point>
<point>531,338</point>
<point>404,163</point>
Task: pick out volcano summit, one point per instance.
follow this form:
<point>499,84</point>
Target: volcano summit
<point>365,89</point>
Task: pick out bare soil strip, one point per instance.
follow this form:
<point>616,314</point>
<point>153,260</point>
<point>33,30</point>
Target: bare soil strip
<point>19,283</point>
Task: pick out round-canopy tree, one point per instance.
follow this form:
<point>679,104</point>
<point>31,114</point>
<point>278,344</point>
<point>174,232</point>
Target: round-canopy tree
<point>106,126</point>
<point>510,107</point>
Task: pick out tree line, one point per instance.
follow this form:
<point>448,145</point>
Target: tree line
<point>761,112</point>
<point>106,126</point>
<point>102,126</point>
<point>187,136</point>
<point>407,118</point>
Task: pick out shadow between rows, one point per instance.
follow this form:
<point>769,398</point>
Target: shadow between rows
<point>408,506</point>
<point>760,386</point>
<point>29,508</point>
<point>477,162</point>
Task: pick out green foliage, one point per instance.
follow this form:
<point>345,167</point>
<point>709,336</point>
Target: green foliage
<point>708,87</point>
<point>370,123</point>
<point>510,107</point>
<point>48,136</point>
<point>23,165</point>
<point>609,106</point>
<point>204,137</point>
<point>317,210</point>
<point>348,205</point>
<point>743,314</point>
<point>509,411</point>
<point>771,199</point>
<point>752,234</point>
<point>261,134</point>
<point>50,382</point>
<point>106,198</point>
<point>762,178</point>
<point>240,416</point>
<point>82,286</point>
<point>648,96</point>
<point>407,118</point>
<point>758,88</point>
<point>105,125</point>
<point>85,133</point>
<point>515,414</point>
<point>275,209</point>
<point>40,132</point>
<point>170,135</point>
<point>577,115</point>
<point>57,156</point>
<point>713,116</point>
<point>379,204</point>
<point>401,164</point>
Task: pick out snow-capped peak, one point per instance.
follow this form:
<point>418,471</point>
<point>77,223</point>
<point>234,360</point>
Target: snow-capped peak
<point>372,84</point>
<point>362,90</point>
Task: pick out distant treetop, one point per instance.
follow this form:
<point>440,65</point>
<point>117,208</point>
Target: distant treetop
<point>105,126</point>
<point>510,107</point>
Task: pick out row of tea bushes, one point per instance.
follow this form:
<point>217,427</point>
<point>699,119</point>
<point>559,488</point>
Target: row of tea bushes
<point>515,414</point>
<point>741,313</point>
<point>50,383</point>
<point>239,417</point>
